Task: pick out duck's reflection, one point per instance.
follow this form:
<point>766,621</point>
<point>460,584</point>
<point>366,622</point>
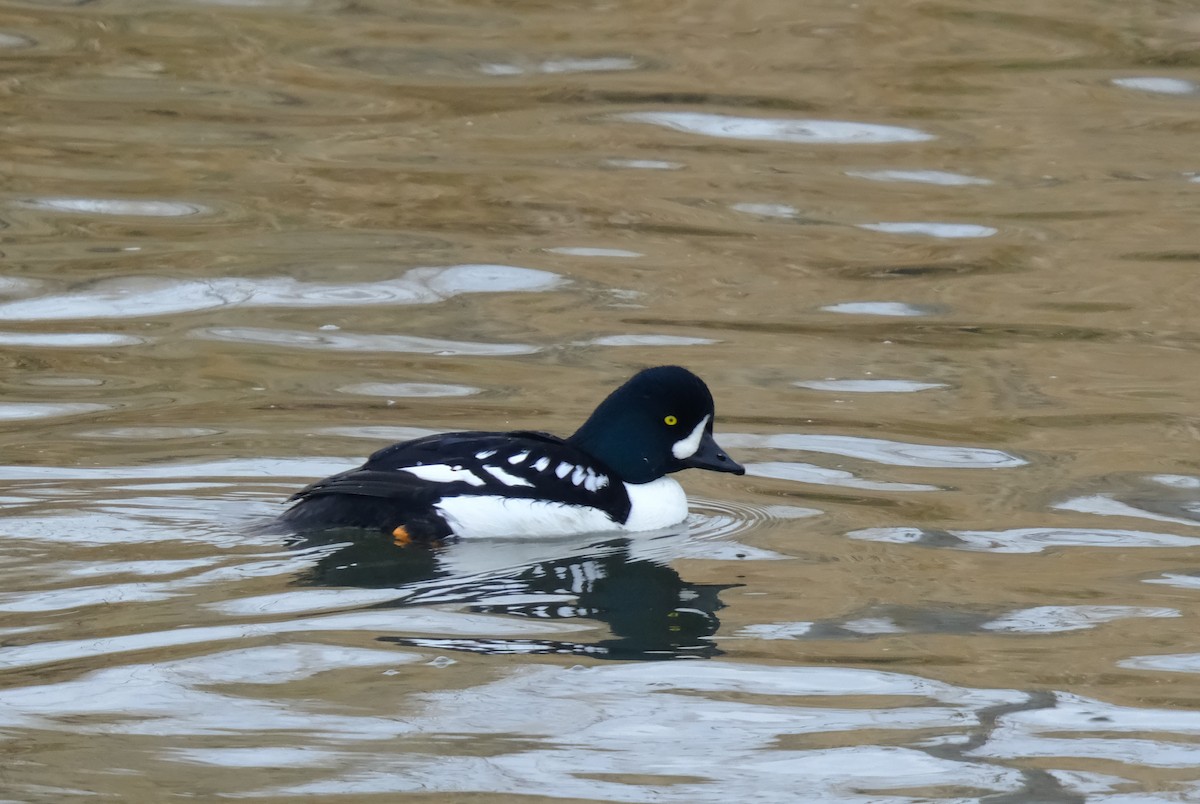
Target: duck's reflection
<point>649,610</point>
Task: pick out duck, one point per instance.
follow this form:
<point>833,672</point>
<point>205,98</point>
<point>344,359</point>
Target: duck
<point>610,475</point>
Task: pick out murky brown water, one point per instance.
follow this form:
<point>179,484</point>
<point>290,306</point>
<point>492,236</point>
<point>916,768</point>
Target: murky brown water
<point>938,264</point>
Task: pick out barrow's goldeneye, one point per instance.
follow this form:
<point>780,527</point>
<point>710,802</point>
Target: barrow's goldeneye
<point>611,475</point>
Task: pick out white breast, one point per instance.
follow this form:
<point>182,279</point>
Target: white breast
<point>657,504</point>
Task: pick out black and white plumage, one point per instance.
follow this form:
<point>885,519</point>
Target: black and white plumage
<point>610,475</point>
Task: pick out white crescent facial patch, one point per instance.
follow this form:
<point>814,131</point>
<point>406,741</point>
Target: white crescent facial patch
<point>686,447</point>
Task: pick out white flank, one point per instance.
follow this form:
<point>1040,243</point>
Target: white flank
<point>518,458</point>
<point>506,478</point>
<point>441,473</point>
<point>657,504</point>
<point>686,447</point>
<point>541,464</point>
<point>474,516</point>
<point>563,469</point>
<point>654,505</point>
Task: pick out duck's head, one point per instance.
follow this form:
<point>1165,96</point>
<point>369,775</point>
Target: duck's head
<point>659,422</point>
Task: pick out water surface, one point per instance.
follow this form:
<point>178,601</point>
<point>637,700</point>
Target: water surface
<point>938,264</point>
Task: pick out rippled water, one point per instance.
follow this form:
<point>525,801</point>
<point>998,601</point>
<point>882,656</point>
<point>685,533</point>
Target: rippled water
<point>937,262</point>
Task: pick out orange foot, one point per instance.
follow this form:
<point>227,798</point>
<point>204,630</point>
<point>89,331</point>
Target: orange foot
<point>401,536</point>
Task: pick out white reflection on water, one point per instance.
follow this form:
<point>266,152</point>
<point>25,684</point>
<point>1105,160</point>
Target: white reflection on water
<point>648,340</point>
<point>303,601</point>
<point>644,164</point>
<point>66,599</point>
<point>167,697</point>
<point>68,340</point>
<point>893,309</point>
<point>1054,619</point>
<point>879,620</point>
<point>1177,579</point>
<point>1158,84</point>
<point>941,177</point>
<point>136,296</point>
<point>1031,733</point>
<point>820,475</point>
<point>19,411</point>
<point>767,210</point>
<point>1167,663</point>
<point>869,386</point>
<point>778,129</point>
<point>1177,481</point>
<point>234,467</point>
<point>116,206</point>
<point>1023,540</point>
<point>949,231</point>
<point>416,620</point>
<point>1105,505</point>
<point>217,522</point>
<point>14,41</point>
<point>878,450</point>
<point>150,567</point>
<point>554,66</point>
<point>140,432</point>
<point>145,591</point>
<point>409,389</point>
<point>775,630</point>
<point>351,342</point>
<point>64,382</point>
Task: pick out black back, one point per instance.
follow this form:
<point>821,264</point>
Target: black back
<point>380,495</point>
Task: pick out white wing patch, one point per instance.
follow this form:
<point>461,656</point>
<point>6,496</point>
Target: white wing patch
<point>487,453</point>
<point>686,447</point>
<point>563,469</point>
<point>587,477</point>
<point>541,464</point>
<point>507,478</point>
<point>441,473</point>
<point>518,458</point>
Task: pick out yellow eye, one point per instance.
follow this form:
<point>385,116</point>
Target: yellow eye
<point>671,420</point>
